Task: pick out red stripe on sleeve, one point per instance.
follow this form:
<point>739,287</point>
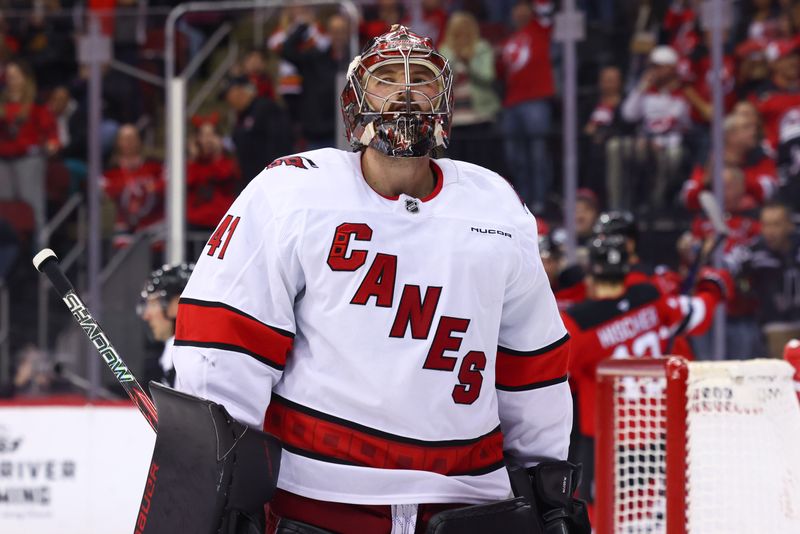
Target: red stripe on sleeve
<point>212,324</point>
<point>519,371</point>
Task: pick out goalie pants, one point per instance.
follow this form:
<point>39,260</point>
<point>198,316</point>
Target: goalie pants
<point>343,518</point>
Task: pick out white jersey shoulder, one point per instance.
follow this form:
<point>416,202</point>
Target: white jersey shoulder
<point>308,179</point>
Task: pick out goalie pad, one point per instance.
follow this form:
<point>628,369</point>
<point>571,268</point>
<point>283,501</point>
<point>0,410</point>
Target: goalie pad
<point>209,474</point>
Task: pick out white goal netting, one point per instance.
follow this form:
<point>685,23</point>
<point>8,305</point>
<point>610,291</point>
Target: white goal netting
<point>743,448</point>
<point>742,437</point>
<point>640,454</point>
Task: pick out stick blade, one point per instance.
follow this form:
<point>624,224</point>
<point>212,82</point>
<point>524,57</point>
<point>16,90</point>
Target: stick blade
<point>42,256</point>
<point>710,207</point>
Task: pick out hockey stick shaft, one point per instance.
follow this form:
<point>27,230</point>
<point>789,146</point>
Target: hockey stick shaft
<point>712,210</point>
<point>46,262</point>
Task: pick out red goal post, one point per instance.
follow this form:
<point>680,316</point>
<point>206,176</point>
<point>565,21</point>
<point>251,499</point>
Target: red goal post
<point>696,447</point>
<point>668,414</point>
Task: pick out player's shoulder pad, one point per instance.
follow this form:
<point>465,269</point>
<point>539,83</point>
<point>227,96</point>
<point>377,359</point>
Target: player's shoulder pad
<point>489,180</point>
<point>290,179</point>
<point>640,294</point>
<point>495,197</point>
<point>592,313</point>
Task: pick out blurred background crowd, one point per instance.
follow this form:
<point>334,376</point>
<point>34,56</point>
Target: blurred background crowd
<point>269,87</point>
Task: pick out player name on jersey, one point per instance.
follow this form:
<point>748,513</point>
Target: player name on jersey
<point>628,327</point>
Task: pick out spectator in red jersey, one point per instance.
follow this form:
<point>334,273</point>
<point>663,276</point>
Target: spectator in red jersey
<point>752,68</point>
<point>778,101</point>
<point>475,103</point>
<point>254,66</point>
<point>135,185</point>
<point>660,109</point>
<point>527,72</point>
<point>434,17</point>
<point>748,110</point>
<point>602,128</point>
<point>697,78</point>
<point>379,18</point>
<point>742,335</point>
<point>27,135</point>
<point>211,176</point>
<point>618,322</point>
<point>741,150</point>
<point>680,27</point>
<point>742,224</point>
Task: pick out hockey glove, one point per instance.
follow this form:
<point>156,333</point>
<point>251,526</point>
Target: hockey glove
<point>554,485</point>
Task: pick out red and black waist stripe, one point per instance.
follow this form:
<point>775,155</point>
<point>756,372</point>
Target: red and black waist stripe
<point>314,434</point>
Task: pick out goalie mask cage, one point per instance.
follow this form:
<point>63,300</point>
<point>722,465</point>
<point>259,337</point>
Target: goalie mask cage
<point>697,447</point>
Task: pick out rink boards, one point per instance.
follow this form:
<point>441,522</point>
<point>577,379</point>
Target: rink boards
<point>71,468</point>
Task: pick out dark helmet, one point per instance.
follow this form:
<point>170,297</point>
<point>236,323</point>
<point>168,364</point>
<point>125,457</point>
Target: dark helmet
<point>391,123</point>
<point>608,257</point>
<point>552,243</point>
<point>616,222</point>
<point>165,283</point>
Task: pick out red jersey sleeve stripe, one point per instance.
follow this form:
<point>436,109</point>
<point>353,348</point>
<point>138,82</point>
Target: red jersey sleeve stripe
<point>214,324</point>
<point>518,371</point>
<point>324,437</point>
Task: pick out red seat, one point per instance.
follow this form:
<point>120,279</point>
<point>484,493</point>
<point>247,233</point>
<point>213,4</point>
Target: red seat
<point>20,215</point>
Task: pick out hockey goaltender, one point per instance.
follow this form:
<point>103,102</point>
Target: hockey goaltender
<point>352,356</point>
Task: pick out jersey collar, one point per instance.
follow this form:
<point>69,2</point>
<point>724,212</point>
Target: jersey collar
<point>437,173</point>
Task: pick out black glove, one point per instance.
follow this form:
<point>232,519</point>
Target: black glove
<point>554,485</point>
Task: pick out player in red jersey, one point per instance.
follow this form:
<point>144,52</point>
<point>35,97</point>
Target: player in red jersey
<point>619,321</point>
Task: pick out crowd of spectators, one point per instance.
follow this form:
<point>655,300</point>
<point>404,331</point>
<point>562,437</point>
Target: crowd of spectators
<point>645,101</point>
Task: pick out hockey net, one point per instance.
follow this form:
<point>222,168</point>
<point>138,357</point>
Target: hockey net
<point>700,447</point>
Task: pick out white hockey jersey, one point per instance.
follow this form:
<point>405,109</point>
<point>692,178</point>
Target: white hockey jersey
<point>396,346</point>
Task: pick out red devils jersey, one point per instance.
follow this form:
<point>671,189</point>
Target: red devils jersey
<point>397,346</point>
<point>525,63</point>
<point>637,324</point>
<point>743,229</point>
<point>760,180</point>
<point>138,193</point>
<point>700,75</point>
<point>25,126</point>
<point>779,110</point>
<point>210,185</point>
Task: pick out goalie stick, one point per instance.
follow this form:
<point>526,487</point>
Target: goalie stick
<point>721,231</point>
<point>46,262</point>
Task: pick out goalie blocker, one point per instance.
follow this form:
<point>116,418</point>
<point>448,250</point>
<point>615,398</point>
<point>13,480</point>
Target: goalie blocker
<point>209,473</point>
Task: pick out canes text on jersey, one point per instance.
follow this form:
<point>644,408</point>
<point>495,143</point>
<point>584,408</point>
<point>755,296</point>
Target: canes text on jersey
<point>413,310</point>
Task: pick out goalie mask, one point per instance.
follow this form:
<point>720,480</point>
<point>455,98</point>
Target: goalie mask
<point>398,98</point>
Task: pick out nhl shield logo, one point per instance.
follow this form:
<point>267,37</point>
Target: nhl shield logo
<point>412,205</point>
